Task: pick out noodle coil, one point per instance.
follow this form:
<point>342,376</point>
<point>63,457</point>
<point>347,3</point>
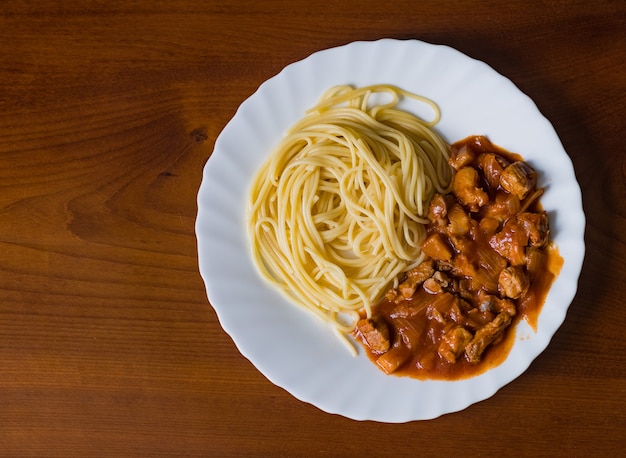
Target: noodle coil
<point>338,210</point>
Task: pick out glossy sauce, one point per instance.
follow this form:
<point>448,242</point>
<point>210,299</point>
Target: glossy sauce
<point>415,337</point>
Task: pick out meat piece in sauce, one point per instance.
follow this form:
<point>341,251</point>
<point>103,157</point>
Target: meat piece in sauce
<point>480,143</point>
<point>459,221</point>
<point>502,207</point>
<point>462,157</point>
<point>510,242</point>
<point>414,278</point>
<point>438,209</point>
<point>453,343</point>
<point>465,187</point>
<point>485,336</point>
<point>518,179</point>
<point>375,334</point>
<point>462,287</point>
<point>492,167</point>
<point>437,284</point>
<point>491,303</point>
<point>536,227</point>
<point>513,282</point>
<point>489,226</point>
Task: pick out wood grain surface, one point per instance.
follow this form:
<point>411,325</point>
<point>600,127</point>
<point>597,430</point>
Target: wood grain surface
<point>108,113</point>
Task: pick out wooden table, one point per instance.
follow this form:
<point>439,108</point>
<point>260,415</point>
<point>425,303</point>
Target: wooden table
<point>108,113</point>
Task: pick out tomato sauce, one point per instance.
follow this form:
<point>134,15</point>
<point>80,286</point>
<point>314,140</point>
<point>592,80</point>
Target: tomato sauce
<point>489,264</point>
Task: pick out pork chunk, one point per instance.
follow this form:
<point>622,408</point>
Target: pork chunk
<point>510,243</point>
<point>460,223</point>
<point>414,278</point>
<point>513,282</point>
<point>438,209</point>
<point>422,272</point>
<point>453,343</point>
<point>485,336</point>
<point>519,179</point>
<point>536,226</point>
<point>466,188</point>
<point>462,157</point>
<point>375,334</point>
<point>492,167</point>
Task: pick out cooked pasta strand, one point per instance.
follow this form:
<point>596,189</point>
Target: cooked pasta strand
<point>338,210</point>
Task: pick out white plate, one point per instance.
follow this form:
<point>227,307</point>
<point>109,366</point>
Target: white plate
<point>295,350</point>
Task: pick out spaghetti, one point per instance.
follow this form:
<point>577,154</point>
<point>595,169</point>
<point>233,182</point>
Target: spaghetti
<point>338,210</point>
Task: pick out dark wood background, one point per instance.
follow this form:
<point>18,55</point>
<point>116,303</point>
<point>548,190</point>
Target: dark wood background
<point>108,113</point>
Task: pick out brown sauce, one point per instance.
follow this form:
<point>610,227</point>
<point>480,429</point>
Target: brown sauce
<point>489,264</point>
